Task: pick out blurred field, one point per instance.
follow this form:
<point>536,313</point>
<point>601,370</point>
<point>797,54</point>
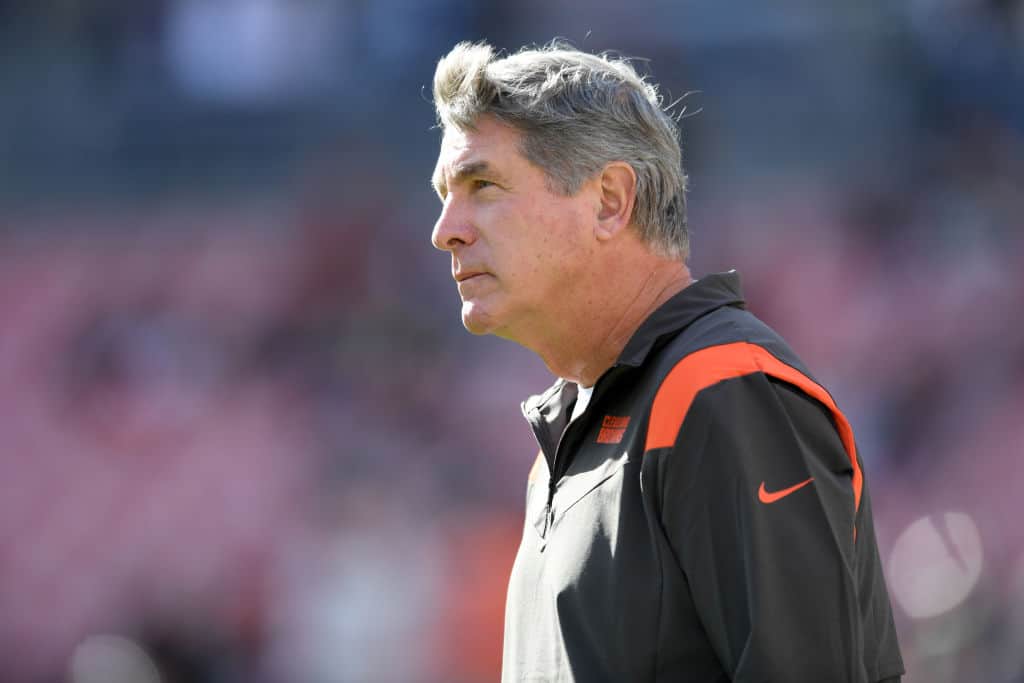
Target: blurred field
<point>242,426</point>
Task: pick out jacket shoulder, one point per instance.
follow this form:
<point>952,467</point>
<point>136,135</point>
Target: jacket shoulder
<point>723,326</point>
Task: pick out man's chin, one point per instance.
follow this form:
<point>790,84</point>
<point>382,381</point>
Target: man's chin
<point>475,320</point>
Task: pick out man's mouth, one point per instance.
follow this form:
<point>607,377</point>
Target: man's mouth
<point>466,275</point>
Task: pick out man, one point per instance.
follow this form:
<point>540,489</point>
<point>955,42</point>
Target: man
<point>697,511</point>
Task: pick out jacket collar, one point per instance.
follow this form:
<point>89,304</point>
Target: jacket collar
<point>698,299</point>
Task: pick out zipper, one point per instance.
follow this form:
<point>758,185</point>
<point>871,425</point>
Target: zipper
<point>556,461</point>
<point>549,512</point>
<point>556,474</point>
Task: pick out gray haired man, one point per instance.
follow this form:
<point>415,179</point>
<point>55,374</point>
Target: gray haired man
<point>698,510</point>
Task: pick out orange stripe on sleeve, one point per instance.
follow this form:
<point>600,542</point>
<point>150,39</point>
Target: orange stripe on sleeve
<point>712,365</point>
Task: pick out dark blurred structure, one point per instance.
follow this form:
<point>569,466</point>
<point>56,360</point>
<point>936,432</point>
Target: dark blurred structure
<point>242,426</point>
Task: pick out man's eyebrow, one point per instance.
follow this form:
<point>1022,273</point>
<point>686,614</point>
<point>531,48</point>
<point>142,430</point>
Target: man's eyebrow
<point>461,172</point>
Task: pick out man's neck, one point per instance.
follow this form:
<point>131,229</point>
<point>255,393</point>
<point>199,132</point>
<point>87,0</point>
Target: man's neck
<point>582,345</point>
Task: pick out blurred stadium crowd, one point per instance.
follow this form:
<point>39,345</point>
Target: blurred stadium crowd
<point>242,428</point>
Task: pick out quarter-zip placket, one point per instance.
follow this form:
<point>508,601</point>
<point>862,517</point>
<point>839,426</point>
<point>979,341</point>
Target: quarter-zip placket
<point>557,464</point>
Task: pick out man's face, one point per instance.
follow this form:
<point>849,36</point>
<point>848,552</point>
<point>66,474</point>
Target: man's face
<point>517,247</point>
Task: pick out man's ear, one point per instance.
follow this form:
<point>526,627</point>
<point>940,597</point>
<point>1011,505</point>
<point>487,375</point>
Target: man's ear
<point>618,196</point>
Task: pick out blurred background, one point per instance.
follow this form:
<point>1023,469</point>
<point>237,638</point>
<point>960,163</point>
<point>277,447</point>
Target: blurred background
<point>243,435</point>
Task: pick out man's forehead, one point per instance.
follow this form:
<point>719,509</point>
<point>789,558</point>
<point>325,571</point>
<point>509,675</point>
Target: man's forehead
<point>487,147</point>
<point>460,146</point>
<point>456,148</point>
<point>457,139</point>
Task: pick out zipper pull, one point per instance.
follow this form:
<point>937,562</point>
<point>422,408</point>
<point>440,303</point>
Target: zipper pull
<point>548,519</point>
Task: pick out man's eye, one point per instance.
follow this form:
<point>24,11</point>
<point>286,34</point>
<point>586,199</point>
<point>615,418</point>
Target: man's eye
<point>480,184</point>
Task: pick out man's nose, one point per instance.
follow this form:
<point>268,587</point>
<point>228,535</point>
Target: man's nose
<point>453,227</point>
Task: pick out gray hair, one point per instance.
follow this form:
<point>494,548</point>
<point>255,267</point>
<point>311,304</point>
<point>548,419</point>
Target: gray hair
<point>576,112</point>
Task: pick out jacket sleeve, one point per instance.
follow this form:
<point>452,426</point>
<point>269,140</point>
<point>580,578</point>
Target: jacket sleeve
<point>759,511</point>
